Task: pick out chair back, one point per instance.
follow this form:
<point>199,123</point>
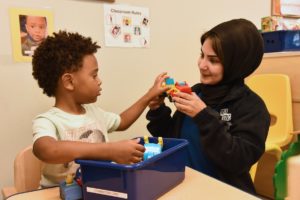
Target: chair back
<point>27,171</point>
<point>275,90</point>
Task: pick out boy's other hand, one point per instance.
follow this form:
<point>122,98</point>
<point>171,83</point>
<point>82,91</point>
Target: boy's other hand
<point>127,151</point>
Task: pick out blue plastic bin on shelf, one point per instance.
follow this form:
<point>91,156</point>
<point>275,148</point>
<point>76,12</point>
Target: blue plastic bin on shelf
<point>281,41</point>
<point>145,180</point>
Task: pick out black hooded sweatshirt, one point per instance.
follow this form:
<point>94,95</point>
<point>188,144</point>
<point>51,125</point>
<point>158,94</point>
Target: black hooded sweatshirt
<point>234,145</point>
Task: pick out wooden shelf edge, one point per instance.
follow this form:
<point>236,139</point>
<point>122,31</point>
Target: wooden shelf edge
<point>282,54</point>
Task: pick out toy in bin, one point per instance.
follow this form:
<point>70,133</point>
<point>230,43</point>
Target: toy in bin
<point>175,87</point>
<point>152,149</point>
<point>71,187</point>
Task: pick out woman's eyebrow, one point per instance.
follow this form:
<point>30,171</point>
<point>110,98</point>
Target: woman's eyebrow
<point>209,55</point>
<point>212,56</point>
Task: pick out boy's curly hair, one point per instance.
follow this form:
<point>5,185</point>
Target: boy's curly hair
<point>57,54</point>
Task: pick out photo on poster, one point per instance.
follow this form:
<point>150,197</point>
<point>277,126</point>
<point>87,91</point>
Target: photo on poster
<point>29,28</point>
<point>137,30</point>
<point>127,38</point>
<point>126,26</point>
<point>116,31</point>
<point>145,21</point>
<point>126,21</point>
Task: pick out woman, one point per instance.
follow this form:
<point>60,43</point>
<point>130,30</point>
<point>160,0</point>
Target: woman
<point>225,122</point>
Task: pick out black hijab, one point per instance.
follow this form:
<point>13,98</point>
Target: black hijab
<point>240,51</point>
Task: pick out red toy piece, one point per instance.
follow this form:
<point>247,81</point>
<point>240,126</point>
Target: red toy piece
<point>174,88</point>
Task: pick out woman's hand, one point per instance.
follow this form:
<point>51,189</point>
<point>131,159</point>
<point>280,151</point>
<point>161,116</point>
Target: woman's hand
<point>156,102</point>
<point>189,104</point>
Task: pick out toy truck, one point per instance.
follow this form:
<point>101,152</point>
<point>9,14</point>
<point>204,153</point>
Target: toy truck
<point>175,87</point>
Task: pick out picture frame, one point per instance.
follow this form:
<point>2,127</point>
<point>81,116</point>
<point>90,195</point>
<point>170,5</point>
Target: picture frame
<point>285,8</point>
<point>29,27</point>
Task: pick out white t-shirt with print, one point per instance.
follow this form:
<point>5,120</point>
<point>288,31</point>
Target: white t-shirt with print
<point>92,127</point>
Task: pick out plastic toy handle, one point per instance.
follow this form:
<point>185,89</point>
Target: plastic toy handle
<point>146,139</point>
<point>160,141</point>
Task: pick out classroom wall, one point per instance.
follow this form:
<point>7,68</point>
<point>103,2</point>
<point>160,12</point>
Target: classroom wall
<point>127,73</point>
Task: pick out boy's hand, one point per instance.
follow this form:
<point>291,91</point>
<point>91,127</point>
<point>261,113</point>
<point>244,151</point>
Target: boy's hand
<point>127,151</point>
<point>157,89</point>
<point>132,113</point>
<point>189,104</point>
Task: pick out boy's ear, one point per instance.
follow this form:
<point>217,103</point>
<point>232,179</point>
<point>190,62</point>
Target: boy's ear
<point>67,81</point>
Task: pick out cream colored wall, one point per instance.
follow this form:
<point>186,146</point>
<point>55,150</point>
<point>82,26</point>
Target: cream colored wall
<point>126,72</point>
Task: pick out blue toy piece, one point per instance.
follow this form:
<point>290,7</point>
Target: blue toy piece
<point>70,188</point>
<point>169,81</point>
<point>152,149</point>
<point>70,191</point>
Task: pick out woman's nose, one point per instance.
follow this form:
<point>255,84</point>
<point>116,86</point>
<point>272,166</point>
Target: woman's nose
<point>202,63</point>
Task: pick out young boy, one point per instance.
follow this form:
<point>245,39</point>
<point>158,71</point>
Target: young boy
<point>36,28</point>
<point>65,67</point>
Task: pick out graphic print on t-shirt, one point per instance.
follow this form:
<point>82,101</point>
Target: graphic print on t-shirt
<point>90,133</point>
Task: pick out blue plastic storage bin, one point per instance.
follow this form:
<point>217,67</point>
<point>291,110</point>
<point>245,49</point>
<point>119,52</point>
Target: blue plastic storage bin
<point>281,41</point>
<point>145,180</point>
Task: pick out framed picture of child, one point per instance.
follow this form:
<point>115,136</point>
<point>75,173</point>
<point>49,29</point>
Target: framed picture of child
<point>29,28</point>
